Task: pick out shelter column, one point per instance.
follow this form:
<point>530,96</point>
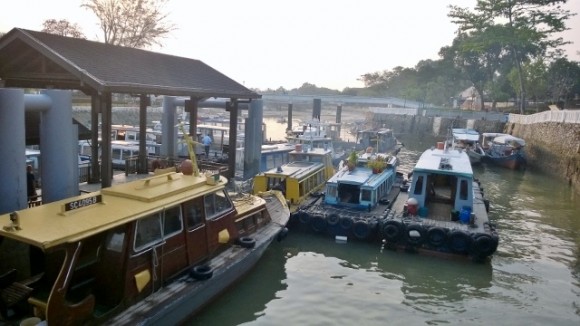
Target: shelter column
<point>12,141</point>
<point>59,146</point>
<point>233,108</point>
<point>253,139</point>
<point>106,163</point>
<point>96,105</point>
<point>144,101</point>
<point>289,117</point>
<point>168,130</point>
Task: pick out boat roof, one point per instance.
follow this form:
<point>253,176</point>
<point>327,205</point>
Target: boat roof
<point>465,134</point>
<point>360,175</point>
<point>444,161</point>
<point>68,220</point>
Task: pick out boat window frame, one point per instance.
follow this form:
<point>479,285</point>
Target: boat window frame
<point>215,214</point>
<point>154,240</point>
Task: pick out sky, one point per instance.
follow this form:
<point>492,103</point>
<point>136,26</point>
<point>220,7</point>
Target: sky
<point>285,43</point>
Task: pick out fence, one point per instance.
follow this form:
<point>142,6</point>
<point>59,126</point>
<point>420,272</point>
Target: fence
<point>564,116</point>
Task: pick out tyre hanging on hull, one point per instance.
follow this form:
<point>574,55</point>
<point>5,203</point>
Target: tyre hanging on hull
<point>318,223</point>
<point>361,230</point>
<point>484,245</point>
<point>459,241</point>
<point>392,231</point>
<point>415,234</point>
<point>437,237</point>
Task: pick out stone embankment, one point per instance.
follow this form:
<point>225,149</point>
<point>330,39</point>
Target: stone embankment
<point>552,148</point>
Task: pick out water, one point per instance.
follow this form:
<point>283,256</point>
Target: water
<point>533,279</point>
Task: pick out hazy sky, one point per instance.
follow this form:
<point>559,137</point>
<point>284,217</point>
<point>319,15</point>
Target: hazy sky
<point>272,43</point>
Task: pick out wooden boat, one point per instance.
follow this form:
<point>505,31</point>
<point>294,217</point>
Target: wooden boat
<point>504,150</point>
<point>468,140</point>
<point>151,251</point>
<point>305,174</point>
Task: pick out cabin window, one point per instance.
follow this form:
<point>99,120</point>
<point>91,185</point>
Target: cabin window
<point>216,204</point>
<point>366,194</point>
<point>128,153</point>
<point>116,153</point>
<point>172,221</point>
<point>115,241</point>
<point>419,186</point>
<point>463,190</point>
<point>193,213</point>
<point>331,191</point>
<point>148,231</point>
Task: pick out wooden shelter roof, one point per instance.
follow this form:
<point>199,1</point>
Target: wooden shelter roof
<point>31,59</point>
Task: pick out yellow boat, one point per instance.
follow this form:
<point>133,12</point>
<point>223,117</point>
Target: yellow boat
<point>155,249</point>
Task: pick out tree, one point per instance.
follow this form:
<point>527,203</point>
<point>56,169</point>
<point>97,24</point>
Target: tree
<point>563,80</point>
<point>62,27</point>
<point>527,27</point>
<point>131,23</point>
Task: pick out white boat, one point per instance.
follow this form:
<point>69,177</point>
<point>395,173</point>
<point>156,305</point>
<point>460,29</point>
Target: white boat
<point>317,134</point>
<point>468,140</point>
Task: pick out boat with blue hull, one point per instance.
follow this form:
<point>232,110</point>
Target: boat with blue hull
<point>504,150</point>
<point>355,198</point>
<point>440,210</point>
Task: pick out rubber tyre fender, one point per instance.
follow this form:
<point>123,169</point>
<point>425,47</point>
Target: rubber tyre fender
<point>392,231</point>
<point>361,229</point>
<point>332,219</point>
<point>201,272</point>
<point>304,217</point>
<point>415,241</point>
<point>282,234</point>
<point>483,245</point>
<point>459,241</point>
<point>437,236</point>
<point>247,242</point>
<point>318,223</point>
<point>345,223</point>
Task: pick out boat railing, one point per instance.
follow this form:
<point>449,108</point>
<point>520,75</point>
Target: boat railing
<point>132,164</point>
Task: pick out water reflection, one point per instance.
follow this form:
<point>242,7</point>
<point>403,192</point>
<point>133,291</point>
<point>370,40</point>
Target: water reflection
<point>533,279</point>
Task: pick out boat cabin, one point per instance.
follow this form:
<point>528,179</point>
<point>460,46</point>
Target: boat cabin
<point>362,188</point>
<point>87,258</point>
<point>307,172</point>
<point>443,178</point>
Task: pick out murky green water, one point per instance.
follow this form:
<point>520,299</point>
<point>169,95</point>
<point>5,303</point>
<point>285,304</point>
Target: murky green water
<point>533,279</point>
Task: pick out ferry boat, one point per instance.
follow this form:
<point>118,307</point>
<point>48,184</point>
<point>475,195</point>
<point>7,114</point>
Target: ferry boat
<point>504,150</point>
<point>152,251</point>
<point>303,176</point>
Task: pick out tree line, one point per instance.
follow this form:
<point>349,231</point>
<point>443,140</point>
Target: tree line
<point>507,50</point>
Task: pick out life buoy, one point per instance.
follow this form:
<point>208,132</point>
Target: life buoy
<point>318,223</point>
<point>332,219</point>
<point>459,241</point>
<point>345,223</point>
<point>415,234</point>
<point>392,231</point>
<point>484,245</point>
<point>361,229</point>
<point>201,272</point>
<point>247,242</point>
<point>437,236</point>
<point>304,217</point>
